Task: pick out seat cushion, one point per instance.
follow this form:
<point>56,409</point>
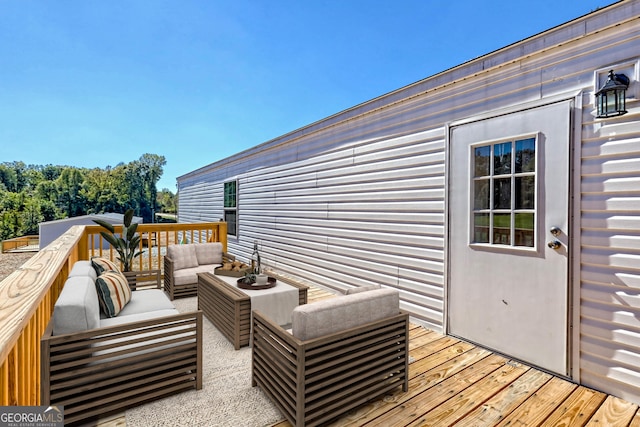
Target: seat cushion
<point>77,308</point>
<point>101,264</point>
<point>138,317</point>
<point>338,314</point>
<point>190,275</point>
<point>183,256</point>
<point>146,301</point>
<point>209,253</point>
<point>113,292</point>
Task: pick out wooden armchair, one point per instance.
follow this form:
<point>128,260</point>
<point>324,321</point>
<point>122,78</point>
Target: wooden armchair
<point>315,379</point>
<point>183,262</point>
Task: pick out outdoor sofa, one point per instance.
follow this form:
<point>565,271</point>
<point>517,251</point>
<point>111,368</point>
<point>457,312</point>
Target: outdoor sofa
<point>93,364</point>
<point>183,262</point>
<point>340,353</point>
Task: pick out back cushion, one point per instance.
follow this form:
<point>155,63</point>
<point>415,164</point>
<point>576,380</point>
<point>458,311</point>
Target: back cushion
<point>83,268</point>
<point>113,292</point>
<point>359,289</point>
<point>209,253</point>
<point>338,314</point>
<point>77,308</point>
<point>183,256</point>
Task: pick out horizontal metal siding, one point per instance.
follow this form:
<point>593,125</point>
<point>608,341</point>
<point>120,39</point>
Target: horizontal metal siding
<point>369,213</point>
<point>610,255</point>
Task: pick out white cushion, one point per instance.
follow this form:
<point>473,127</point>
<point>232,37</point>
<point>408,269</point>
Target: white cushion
<point>146,301</point>
<point>190,275</point>
<point>359,289</point>
<point>83,268</point>
<point>338,314</point>
<point>137,317</point>
<point>209,253</point>
<point>77,308</point>
<point>183,256</point>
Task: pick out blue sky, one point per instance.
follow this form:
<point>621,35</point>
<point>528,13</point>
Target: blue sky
<point>94,83</point>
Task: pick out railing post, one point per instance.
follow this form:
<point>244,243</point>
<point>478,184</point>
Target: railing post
<point>222,235</point>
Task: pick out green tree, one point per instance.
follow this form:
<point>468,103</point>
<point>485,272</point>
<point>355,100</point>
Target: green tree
<point>8,178</point>
<point>30,218</point>
<point>32,194</point>
<point>9,224</point>
<point>69,184</point>
<point>166,201</point>
<point>151,167</point>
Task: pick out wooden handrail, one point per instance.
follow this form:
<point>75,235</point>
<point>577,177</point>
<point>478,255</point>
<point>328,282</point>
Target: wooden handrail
<point>28,295</point>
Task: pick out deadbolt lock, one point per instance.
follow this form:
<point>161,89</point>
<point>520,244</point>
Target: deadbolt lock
<point>555,231</point>
<point>554,244</point>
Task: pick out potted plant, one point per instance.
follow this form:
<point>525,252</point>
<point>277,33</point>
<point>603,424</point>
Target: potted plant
<point>126,243</point>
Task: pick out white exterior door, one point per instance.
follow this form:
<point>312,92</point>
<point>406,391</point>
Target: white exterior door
<point>508,234</point>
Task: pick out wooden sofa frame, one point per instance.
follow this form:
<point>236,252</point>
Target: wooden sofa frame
<point>146,360</point>
<point>187,290</point>
<point>315,381</point>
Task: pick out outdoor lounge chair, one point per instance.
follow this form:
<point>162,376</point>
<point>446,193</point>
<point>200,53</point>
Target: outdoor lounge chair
<point>341,353</point>
<point>95,365</point>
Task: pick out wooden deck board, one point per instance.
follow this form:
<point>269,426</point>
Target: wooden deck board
<point>455,382</point>
<point>458,406</point>
<point>577,409</point>
<point>503,403</point>
<point>614,412</point>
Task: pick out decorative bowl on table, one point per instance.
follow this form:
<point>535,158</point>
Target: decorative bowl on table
<point>244,284</point>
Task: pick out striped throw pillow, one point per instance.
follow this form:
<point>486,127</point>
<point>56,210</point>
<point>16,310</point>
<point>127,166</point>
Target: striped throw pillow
<point>113,292</point>
<point>101,265</point>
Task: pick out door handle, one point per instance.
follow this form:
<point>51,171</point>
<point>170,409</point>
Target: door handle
<point>554,244</point>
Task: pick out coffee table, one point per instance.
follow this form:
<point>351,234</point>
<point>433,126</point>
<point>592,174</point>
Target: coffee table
<point>228,308</point>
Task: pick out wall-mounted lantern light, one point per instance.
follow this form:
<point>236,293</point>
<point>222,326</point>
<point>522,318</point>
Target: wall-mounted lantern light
<point>610,99</point>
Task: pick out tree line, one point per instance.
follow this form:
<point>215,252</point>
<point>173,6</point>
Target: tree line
<point>30,194</point>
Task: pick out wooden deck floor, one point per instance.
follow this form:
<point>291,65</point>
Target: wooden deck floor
<point>456,383</point>
<point>453,382</point>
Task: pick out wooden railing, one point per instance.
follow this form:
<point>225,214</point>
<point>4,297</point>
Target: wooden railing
<point>28,295</point>
<point>155,239</point>
<point>20,242</point>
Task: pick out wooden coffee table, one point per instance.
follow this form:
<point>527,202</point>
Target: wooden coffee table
<point>228,308</point>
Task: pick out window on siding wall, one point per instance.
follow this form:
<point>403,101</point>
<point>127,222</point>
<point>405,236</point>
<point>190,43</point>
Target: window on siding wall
<point>231,207</point>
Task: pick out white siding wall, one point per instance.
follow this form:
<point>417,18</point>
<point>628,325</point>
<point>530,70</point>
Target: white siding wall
<point>610,253</point>
<point>371,212</point>
<point>359,197</point>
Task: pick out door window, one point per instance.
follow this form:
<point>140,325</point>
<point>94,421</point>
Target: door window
<point>504,193</point>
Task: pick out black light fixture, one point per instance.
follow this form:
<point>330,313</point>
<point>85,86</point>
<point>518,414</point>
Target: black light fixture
<point>610,99</point>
